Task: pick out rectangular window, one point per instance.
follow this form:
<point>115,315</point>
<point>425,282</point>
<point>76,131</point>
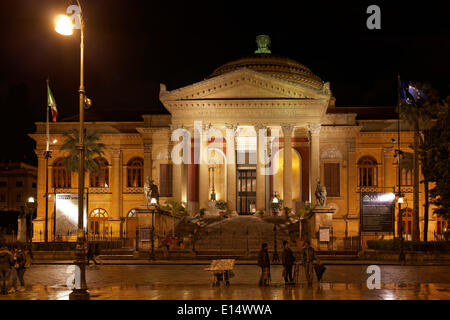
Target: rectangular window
<point>33,184</point>
<point>3,184</point>
<point>19,184</point>
<point>332,179</point>
<point>165,180</point>
<point>2,197</point>
<point>18,197</point>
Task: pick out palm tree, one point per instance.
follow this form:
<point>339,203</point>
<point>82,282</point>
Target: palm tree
<point>92,147</point>
<point>175,208</point>
<point>301,215</point>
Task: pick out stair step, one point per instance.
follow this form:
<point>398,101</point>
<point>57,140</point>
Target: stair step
<point>117,257</point>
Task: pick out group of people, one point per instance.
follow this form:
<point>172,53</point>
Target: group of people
<point>288,261</point>
<point>12,267</point>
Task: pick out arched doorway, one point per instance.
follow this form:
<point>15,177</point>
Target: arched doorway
<point>131,227</point>
<point>278,185</point>
<point>98,224</point>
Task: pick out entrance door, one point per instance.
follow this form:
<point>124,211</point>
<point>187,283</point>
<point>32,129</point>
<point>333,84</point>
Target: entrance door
<point>246,193</point>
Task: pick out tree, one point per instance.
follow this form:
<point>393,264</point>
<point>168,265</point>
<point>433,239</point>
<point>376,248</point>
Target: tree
<point>175,208</point>
<point>92,149</point>
<point>419,118</point>
<point>439,155</point>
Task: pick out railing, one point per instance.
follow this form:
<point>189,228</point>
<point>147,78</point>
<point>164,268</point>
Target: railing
<point>134,190</point>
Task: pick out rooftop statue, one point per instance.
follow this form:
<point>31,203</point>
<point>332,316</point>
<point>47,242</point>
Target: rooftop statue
<point>263,42</point>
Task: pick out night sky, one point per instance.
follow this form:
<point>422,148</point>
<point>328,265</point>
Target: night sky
<point>132,46</point>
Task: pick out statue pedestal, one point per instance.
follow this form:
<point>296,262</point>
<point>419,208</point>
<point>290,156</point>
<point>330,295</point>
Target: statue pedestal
<point>22,229</point>
<point>212,210</point>
<point>320,226</point>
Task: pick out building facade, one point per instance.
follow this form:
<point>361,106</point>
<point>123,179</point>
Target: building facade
<point>266,124</point>
<point>18,182</point>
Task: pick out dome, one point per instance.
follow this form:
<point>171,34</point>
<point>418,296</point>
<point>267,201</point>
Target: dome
<point>275,66</point>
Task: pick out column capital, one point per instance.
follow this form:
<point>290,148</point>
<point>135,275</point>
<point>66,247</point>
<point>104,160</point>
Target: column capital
<point>388,151</point>
<point>287,128</point>
<point>259,126</point>
<point>116,153</point>
<point>314,128</point>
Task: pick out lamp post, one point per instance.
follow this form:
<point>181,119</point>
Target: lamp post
<point>65,26</point>
<point>31,206</point>
<point>275,250</point>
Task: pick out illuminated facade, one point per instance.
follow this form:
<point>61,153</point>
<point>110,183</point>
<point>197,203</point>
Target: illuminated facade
<point>348,149</point>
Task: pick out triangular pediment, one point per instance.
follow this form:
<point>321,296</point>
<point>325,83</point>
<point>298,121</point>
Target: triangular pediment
<point>242,84</point>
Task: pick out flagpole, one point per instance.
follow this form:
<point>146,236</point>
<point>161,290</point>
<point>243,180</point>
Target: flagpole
<point>400,215</point>
<point>47,155</point>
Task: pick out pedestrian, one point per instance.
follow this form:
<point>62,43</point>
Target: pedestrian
<point>288,260</point>
<point>20,262</point>
<point>6,263</point>
<point>95,252</point>
<point>309,256</point>
<point>166,247</point>
<point>264,263</point>
<point>90,253</point>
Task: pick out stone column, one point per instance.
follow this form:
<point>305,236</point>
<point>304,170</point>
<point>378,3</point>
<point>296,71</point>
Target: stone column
<point>231,166</point>
<point>116,186</point>
<point>352,179</point>
<point>314,129</point>
<point>147,158</point>
<point>287,164</point>
<point>260,168</point>
<point>203,172</point>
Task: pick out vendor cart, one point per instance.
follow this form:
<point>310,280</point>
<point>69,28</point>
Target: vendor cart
<point>221,271</point>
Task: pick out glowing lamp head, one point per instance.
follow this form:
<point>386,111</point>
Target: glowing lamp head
<point>30,200</point>
<point>64,25</point>
<point>400,200</point>
<point>153,200</point>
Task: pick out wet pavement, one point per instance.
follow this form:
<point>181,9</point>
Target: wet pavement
<point>178,282</point>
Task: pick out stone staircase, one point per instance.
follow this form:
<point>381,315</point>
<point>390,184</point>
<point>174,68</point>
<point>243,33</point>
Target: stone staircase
<point>237,235</point>
<point>117,254</point>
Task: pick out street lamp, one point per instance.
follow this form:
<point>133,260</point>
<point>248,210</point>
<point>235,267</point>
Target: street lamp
<point>31,206</point>
<point>65,26</point>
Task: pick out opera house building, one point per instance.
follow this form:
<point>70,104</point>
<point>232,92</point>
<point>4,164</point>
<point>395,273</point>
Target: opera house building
<point>260,127</point>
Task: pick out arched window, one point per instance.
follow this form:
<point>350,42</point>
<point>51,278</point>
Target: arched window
<point>407,223</point>
<point>406,177</point>
<point>98,223</point>
<point>135,172</point>
<point>100,179</point>
<point>132,214</point>
<point>441,225</point>
<point>61,176</point>
<point>367,176</point>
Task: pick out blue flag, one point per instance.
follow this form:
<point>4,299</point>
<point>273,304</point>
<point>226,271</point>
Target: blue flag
<point>411,94</point>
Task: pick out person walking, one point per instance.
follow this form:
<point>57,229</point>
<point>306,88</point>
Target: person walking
<point>309,256</point>
<point>6,262</point>
<point>264,263</point>
<point>288,260</point>
<point>20,262</point>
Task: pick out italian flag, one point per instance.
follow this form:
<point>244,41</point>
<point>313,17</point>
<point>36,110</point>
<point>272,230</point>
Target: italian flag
<point>51,103</point>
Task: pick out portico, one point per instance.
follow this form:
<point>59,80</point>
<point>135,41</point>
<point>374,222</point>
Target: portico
<point>252,115</point>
